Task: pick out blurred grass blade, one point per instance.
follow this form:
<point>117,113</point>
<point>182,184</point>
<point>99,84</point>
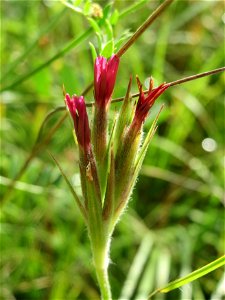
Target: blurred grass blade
<point>163,267</point>
<point>77,199</point>
<point>37,147</point>
<point>147,282</point>
<point>66,49</point>
<point>30,188</point>
<point>195,164</point>
<point>14,64</point>
<point>137,267</point>
<point>156,272</point>
<point>219,292</point>
<point>180,180</point>
<point>133,8</point>
<point>190,13</point>
<point>192,276</point>
<point>22,186</point>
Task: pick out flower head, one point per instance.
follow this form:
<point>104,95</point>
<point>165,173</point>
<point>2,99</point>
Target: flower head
<point>146,102</point>
<point>104,78</point>
<point>77,109</point>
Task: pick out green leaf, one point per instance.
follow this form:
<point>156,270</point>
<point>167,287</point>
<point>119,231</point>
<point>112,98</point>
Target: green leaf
<point>100,41</point>
<point>114,17</point>
<point>109,30</point>
<point>192,276</point>
<point>94,25</point>
<point>73,6</point>
<point>123,38</point>
<point>77,199</point>
<point>137,267</point>
<point>106,10</point>
<point>87,8</point>
<point>93,51</point>
<point>108,49</point>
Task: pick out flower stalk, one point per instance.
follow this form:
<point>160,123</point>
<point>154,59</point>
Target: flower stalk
<point>100,253</point>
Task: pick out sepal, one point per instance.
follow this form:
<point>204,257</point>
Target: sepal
<point>124,117</point>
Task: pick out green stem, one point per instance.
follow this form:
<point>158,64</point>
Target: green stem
<point>100,250</point>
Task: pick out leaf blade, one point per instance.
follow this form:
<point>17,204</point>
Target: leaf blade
<point>77,199</point>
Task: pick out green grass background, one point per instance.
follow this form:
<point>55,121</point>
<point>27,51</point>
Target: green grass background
<point>175,220</point>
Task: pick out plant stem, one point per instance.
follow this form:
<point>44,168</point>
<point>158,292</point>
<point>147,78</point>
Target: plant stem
<point>103,280</point>
<point>193,77</point>
<point>100,257</point>
<point>173,83</point>
<point>144,26</point>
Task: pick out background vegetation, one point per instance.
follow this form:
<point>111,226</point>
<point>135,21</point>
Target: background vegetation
<point>174,223</point>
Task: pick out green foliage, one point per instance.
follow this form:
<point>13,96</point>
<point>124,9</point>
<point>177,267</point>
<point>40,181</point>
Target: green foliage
<point>174,223</point>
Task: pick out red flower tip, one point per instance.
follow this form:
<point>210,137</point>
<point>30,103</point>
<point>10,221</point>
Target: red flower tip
<point>146,102</point>
<point>77,108</point>
<point>104,78</point>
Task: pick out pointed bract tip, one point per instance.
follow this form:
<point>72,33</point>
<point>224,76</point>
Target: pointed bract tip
<point>151,84</point>
<point>139,83</point>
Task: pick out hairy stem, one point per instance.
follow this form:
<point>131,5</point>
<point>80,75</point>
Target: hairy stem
<point>100,251</point>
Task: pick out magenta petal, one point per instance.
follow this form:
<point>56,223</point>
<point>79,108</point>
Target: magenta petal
<point>104,79</point>
<point>77,108</point>
<point>146,102</point>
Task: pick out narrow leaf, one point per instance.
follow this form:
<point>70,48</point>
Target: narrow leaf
<point>77,199</point>
<point>94,25</point>
<point>108,49</point>
<point>192,276</point>
<point>137,267</point>
<point>93,51</point>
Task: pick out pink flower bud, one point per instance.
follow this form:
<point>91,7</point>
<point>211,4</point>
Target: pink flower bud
<point>78,112</point>
<point>104,78</point>
<point>146,102</point>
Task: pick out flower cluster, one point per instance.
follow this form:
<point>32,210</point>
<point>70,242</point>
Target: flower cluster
<point>109,166</point>
<point>109,158</point>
